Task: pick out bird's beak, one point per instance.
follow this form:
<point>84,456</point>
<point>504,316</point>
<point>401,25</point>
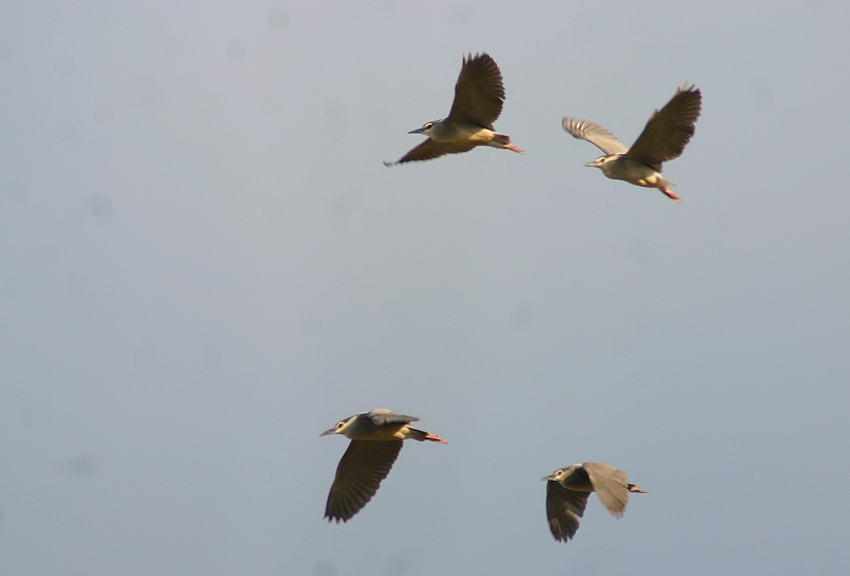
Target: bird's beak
<point>548,478</point>
<point>594,164</point>
<point>328,432</point>
<point>417,131</point>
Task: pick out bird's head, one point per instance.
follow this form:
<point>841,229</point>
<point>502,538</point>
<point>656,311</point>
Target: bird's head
<point>554,476</point>
<point>561,473</point>
<point>602,160</point>
<point>341,427</point>
<point>426,128</point>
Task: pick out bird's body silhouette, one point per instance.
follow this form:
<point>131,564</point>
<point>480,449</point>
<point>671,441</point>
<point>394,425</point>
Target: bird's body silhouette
<point>479,94</point>
<point>567,491</point>
<point>376,440</point>
<point>664,138</point>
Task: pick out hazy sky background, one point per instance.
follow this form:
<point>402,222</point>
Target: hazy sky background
<point>204,264</point>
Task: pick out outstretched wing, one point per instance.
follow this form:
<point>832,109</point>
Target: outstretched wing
<point>430,149</point>
<point>611,485</point>
<point>563,509</point>
<point>668,130</point>
<point>595,134</point>
<point>358,476</point>
<point>479,92</point>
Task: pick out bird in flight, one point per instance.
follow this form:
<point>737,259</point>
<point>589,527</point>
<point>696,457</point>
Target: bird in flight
<point>663,139</point>
<point>376,439</point>
<point>479,95</point>
<point>567,491</point>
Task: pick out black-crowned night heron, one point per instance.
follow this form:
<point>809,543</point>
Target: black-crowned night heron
<point>664,138</point>
<point>567,491</point>
<point>376,439</point>
<point>479,94</point>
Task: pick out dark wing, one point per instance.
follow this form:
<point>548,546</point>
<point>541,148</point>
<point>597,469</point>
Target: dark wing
<point>595,134</point>
<point>563,509</point>
<point>430,149</point>
<point>381,416</point>
<point>611,485</point>
<point>668,130</point>
<point>358,476</point>
<point>479,92</point>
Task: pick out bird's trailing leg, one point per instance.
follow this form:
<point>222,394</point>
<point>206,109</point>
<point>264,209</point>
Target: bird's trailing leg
<point>514,148</point>
<point>671,194</point>
<point>434,438</point>
<point>633,488</point>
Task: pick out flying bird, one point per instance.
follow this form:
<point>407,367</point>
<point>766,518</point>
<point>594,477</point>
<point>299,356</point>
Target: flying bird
<point>567,491</point>
<point>376,439</point>
<point>479,95</point>
<point>663,139</point>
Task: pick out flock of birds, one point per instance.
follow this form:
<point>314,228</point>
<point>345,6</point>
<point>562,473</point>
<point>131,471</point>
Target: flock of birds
<point>376,439</point>
<point>479,94</point>
<point>377,436</point>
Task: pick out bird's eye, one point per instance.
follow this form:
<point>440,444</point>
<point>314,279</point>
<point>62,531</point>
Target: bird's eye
<point>428,125</point>
<point>558,472</point>
<point>339,425</point>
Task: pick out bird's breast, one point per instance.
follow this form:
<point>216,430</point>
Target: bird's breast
<point>634,172</point>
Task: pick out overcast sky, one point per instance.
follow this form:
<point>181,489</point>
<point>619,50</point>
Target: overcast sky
<point>204,264</point>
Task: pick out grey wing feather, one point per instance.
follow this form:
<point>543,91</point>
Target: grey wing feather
<point>381,416</point>
<point>595,134</point>
<point>668,130</point>
<point>359,475</point>
<point>563,509</point>
<point>479,92</point>
<point>430,149</point>
<point>611,485</point>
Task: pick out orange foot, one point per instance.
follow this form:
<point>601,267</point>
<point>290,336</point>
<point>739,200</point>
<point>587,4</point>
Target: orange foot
<point>633,488</point>
<point>435,438</point>
<point>514,148</point>
<point>671,194</point>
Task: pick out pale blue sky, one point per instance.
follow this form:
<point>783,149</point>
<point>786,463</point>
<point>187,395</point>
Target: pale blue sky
<point>204,264</point>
